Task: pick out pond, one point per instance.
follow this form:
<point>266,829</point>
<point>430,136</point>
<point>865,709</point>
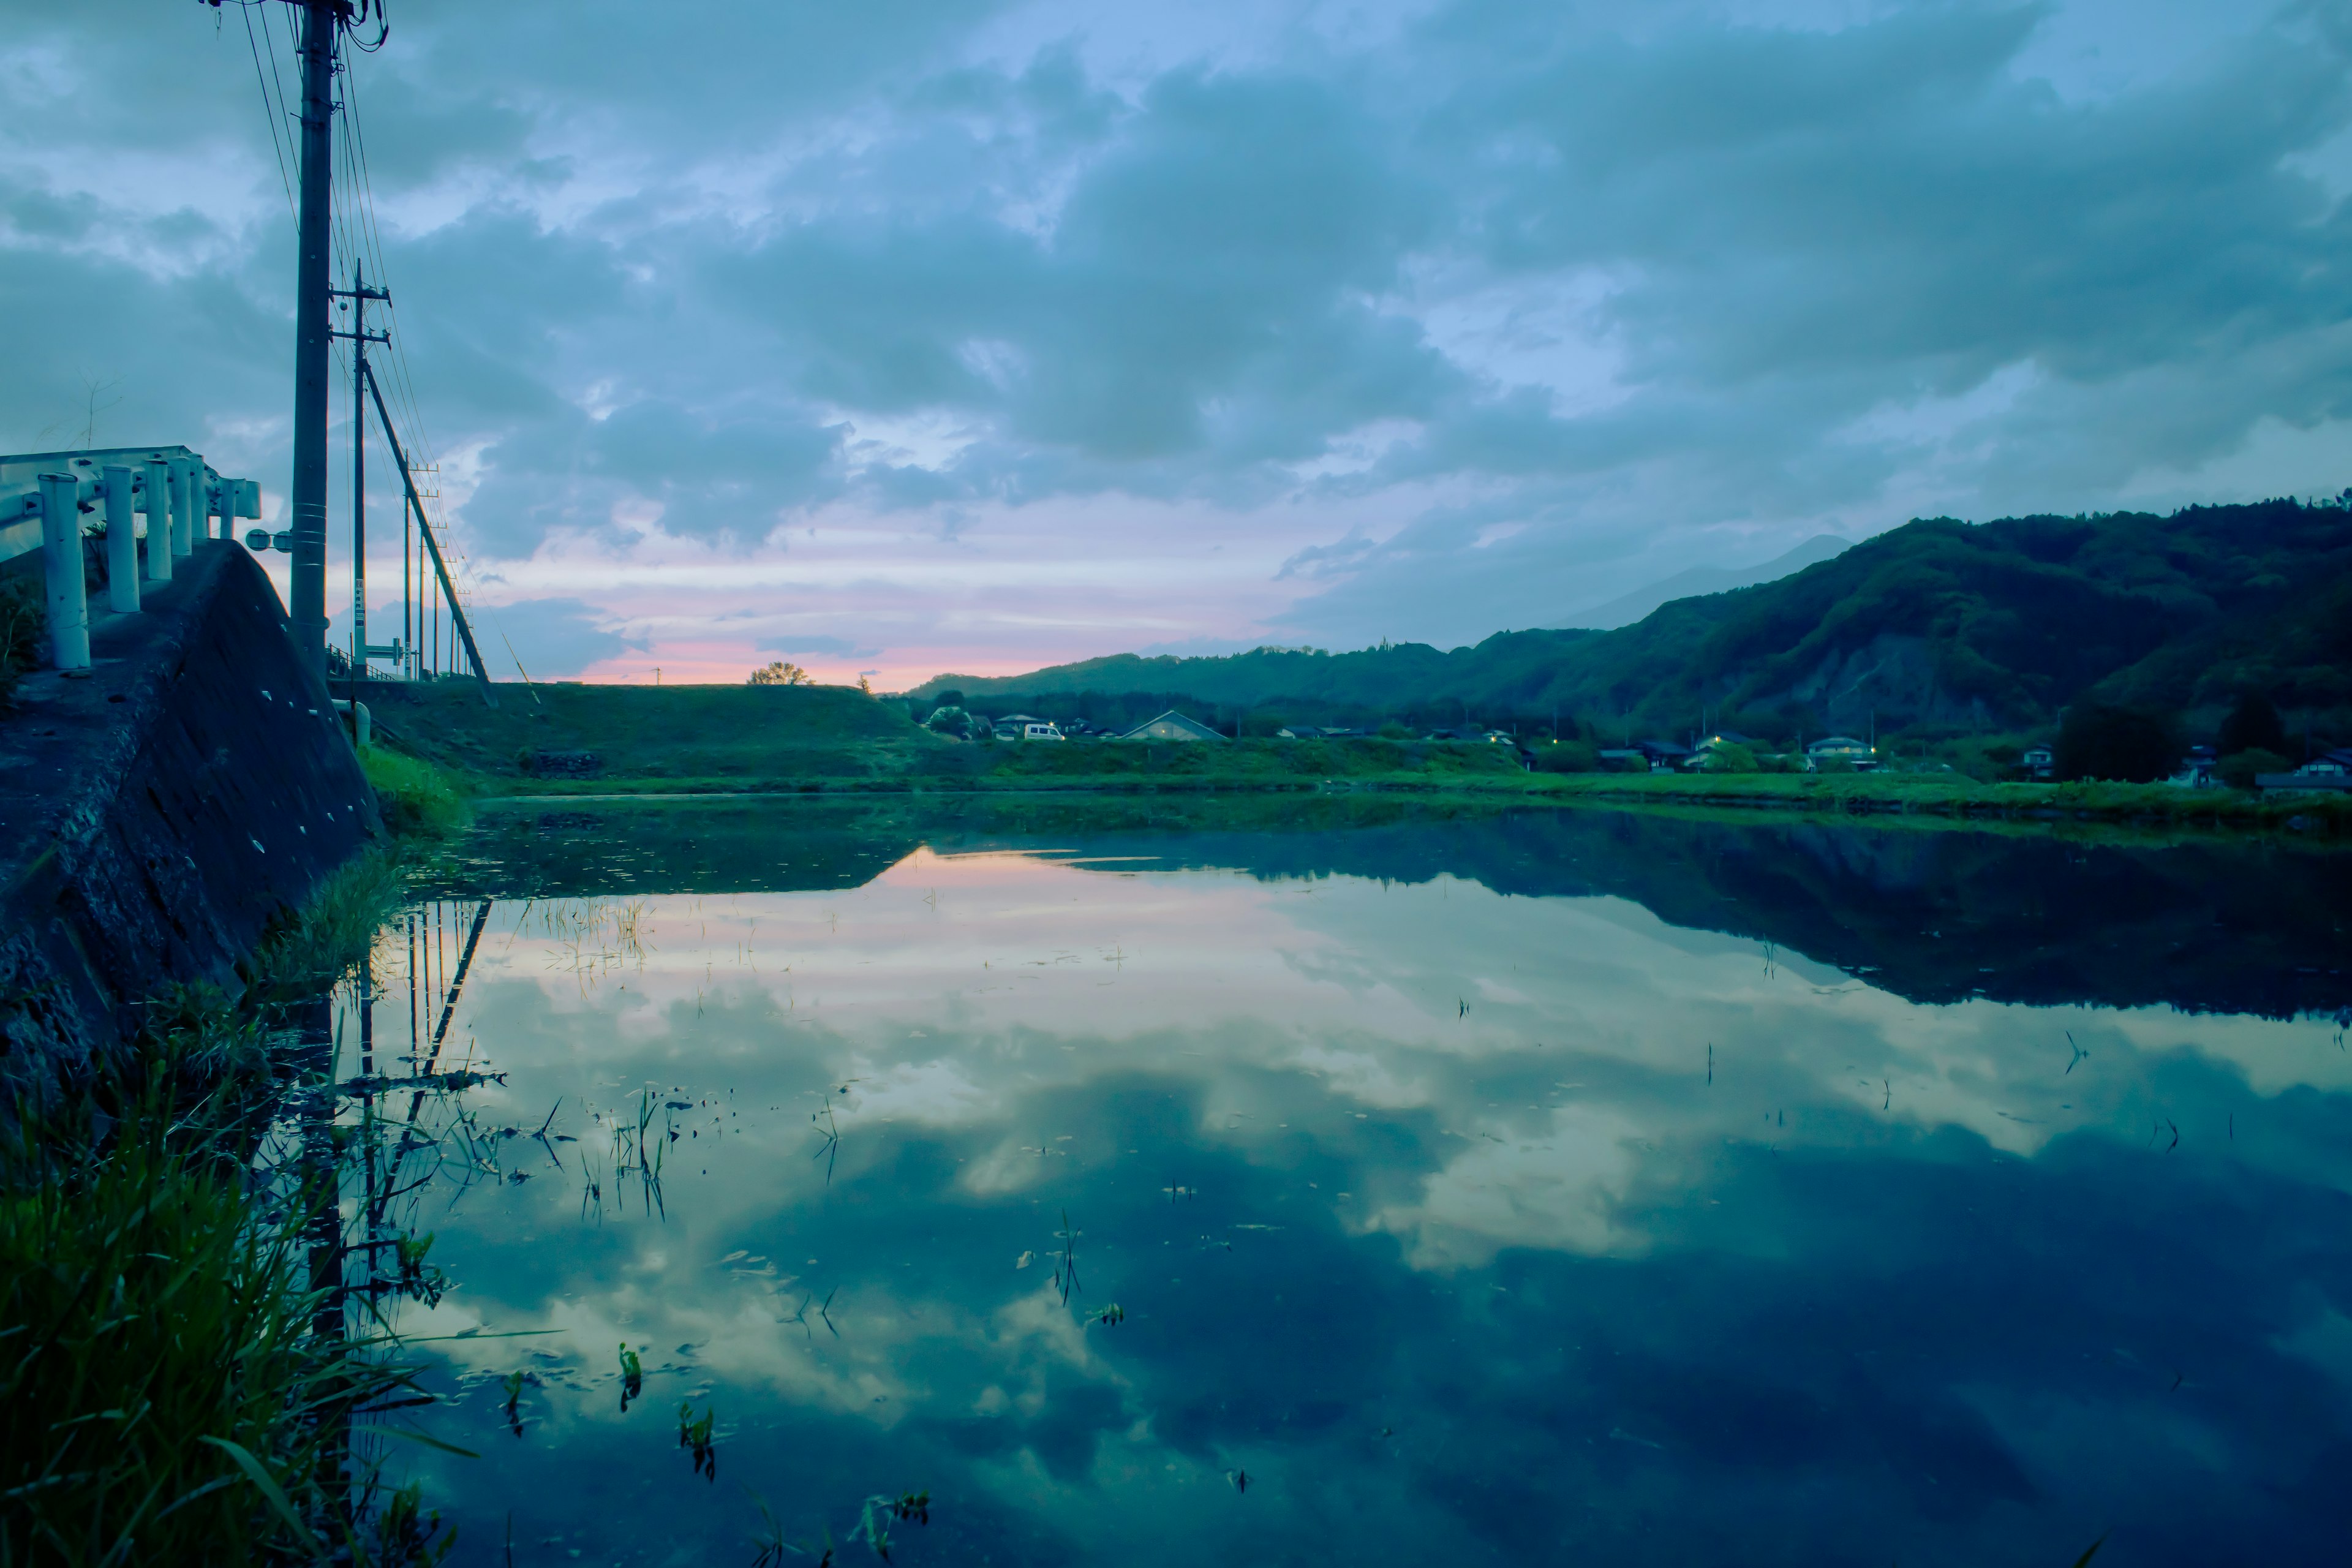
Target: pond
<point>1374,1186</point>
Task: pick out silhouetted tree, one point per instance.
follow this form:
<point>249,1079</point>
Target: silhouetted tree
<point>2252,726</point>
<point>2131,745</point>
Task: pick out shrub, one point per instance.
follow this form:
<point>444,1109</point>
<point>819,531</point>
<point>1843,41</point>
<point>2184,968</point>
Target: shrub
<point>22,623</point>
<point>2237,768</point>
<point>950,721</point>
<point>2129,745</point>
<point>1568,757</point>
<point>1731,758</point>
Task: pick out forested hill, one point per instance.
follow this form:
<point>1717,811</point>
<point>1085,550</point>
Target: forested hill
<point>1935,624</point>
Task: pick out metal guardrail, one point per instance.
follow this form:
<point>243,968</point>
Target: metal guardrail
<point>44,495</point>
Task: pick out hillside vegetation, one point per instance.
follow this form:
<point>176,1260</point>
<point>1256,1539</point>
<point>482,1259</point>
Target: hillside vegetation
<point>1937,628</point>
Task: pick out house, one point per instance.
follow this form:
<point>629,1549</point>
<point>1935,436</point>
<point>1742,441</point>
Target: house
<point>2329,771</point>
<point>1008,727</point>
<point>1171,726</point>
<point>2196,770</point>
<point>2039,761</point>
<point>1664,756</point>
<point>1301,732</point>
<point>1728,738</point>
<point>1624,759</point>
<point>1860,755</point>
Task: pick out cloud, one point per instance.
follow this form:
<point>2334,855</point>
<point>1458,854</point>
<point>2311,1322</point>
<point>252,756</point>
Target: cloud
<point>1461,316</point>
<point>823,647</point>
<point>556,636</point>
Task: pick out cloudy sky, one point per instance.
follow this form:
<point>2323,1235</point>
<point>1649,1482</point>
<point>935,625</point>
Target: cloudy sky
<point>943,334</point>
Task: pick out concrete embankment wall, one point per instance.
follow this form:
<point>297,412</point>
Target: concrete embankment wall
<point>160,810</point>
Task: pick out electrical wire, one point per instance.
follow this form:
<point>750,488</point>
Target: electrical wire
<point>271,112</point>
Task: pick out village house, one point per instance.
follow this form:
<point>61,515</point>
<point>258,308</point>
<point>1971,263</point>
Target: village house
<point>1859,755</point>
<point>1171,726</point>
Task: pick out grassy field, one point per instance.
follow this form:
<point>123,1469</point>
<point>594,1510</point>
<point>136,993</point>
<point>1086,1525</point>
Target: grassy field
<point>604,741</point>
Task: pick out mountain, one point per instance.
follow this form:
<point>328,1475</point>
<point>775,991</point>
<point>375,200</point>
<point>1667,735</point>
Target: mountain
<point>1627,608</point>
<point>1939,626</point>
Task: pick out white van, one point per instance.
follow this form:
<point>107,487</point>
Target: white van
<point>1042,732</point>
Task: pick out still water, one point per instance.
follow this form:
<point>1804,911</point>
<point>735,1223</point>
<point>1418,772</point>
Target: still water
<point>1540,1188</point>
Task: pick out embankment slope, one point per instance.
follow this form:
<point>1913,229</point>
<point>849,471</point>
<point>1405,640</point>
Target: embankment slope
<point>160,811</point>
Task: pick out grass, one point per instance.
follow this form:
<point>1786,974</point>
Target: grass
<point>165,1393</point>
<point>418,799</point>
<point>1954,795</point>
<point>170,1389</point>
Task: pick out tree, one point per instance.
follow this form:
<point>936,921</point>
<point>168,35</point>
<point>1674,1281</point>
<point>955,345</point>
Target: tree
<point>2131,745</point>
<point>2238,769</point>
<point>780,674</point>
<point>1729,758</point>
<point>2252,726</point>
<point>950,697</point>
<point>949,721</point>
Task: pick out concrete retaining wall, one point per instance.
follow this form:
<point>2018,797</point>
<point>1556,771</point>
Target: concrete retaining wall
<point>159,811</point>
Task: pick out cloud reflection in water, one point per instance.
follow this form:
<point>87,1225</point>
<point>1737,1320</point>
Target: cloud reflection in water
<point>1422,1210</point>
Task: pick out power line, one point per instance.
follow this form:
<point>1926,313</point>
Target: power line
<point>271,112</point>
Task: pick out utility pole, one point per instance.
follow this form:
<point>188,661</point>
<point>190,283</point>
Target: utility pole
<point>321,21</point>
<point>358,295</point>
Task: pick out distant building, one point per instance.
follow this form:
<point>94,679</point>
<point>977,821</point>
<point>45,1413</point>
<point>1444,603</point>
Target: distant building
<point>2329,771</point>
<point>1728,738</point>
<point>1625,757</point>
<point>1171,726</point>
<point>2196,770</point>
<point>2039,761</point>
<point>1860,755</point>
<point>1664,756</point>
<point>1008,727</point>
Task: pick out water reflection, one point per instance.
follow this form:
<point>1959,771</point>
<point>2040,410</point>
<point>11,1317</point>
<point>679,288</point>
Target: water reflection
<point>1473,1216</point>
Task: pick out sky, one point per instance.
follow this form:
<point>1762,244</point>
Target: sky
<point>923,336</point>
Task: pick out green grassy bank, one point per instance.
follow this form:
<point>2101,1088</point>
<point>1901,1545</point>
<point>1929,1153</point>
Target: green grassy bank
<point>582,741</point>
<point>167,1391</point>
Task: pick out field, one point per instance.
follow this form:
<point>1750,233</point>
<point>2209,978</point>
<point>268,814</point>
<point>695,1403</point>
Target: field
<point>577,740</point>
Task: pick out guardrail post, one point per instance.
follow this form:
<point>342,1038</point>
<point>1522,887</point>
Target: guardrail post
<point>156,498</point>
<point>121,540</point>
<point>186,474</point>
<point>68,600</point>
